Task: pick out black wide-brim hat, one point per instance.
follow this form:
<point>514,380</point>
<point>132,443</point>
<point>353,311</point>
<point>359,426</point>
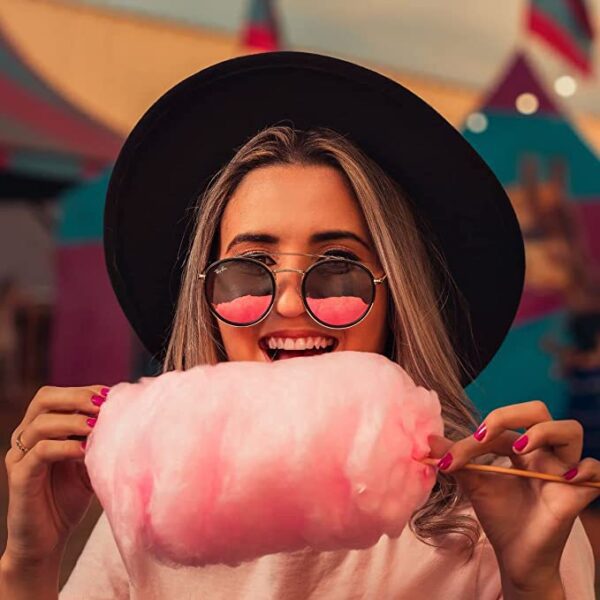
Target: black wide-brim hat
<point>196,127</point>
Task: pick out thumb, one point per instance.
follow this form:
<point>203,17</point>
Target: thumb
<point>439,445</point>
<point>469,481</point>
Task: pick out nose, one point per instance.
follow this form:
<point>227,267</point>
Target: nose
<point>288,299</point>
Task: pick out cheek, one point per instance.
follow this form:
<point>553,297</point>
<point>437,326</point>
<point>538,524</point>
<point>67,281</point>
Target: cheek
<point>240,344</point>
<point>380,309</point>
<point>370,335</point>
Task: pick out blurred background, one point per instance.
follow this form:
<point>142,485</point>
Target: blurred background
<point>519,79</point>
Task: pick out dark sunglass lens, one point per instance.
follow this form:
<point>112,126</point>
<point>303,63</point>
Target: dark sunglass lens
<point>239,291</point>
<point>338,292</point>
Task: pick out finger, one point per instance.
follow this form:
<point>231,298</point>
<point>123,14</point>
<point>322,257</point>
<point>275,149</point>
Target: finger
<point>463,451</point>
<point>51,398</point>
<point>587,469</point>
<point>565,437</point>
<point>35,462</point>
<point>61,399</point>
<point>438,445</point>
<point>513,416</point>
<point>50,426</point>
<point>498,421</point>
<point>56,426</point>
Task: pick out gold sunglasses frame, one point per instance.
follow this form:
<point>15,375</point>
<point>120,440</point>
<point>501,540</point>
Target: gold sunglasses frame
<point>273,272</point>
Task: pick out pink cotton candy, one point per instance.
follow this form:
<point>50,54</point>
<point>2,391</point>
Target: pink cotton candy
<point>244,309</point>
<point>229,462</point>
<point>338,310</point>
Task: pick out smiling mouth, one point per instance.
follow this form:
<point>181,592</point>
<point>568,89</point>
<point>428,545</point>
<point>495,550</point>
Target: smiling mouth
<point>274,354</point>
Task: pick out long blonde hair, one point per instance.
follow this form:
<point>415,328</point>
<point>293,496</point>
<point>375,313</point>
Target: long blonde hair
<point>418,338</point>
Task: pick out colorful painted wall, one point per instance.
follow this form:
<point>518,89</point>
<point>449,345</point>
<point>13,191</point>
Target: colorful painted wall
<point>553,180</point>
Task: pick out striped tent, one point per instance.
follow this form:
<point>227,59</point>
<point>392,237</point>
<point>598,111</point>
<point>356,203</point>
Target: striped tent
<point>564,25</point>
<point>109,351</point>
<point>45,143</point>
<point>261,31</point>
<point>48,148</point>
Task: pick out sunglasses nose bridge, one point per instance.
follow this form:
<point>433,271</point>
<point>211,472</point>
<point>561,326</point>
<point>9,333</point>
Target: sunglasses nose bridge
<point>299,271</point>
<point>288,270</point>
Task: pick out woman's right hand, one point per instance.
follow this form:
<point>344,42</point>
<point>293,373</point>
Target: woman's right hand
<point>49,488</point>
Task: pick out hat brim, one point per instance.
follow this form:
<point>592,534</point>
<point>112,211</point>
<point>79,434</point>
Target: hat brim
<point>194,129</point>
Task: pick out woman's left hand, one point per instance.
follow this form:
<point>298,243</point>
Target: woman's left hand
<point>527,521</point>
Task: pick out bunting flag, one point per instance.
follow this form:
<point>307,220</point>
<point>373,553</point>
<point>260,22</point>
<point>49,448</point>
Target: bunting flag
<point>566,26</point>
<point>261,31</point>
<point>550,175</point>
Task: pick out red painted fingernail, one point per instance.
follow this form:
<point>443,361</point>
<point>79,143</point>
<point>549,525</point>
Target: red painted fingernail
<point>520,443</point>
<point>570,473</point>
<point>83,444</point>
<point>98,400</point>
<point>480,432</point>
<point>104,391</point>
<point>91,421</point>
<point>445,461</point>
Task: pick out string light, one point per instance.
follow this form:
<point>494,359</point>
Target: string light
<point>565,86</point>
<point>477,122</point>
<point>527,103</point>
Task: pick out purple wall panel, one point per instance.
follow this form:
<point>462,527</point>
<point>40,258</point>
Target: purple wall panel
<point>91,339</point>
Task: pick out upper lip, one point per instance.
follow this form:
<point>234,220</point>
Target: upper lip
<point>297,333</point>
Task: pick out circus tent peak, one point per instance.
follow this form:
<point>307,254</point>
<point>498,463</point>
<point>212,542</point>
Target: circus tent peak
<point>518,78</point>
<point>261,30</point>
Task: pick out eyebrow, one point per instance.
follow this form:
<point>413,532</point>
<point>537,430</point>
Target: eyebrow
<point>315,238</point>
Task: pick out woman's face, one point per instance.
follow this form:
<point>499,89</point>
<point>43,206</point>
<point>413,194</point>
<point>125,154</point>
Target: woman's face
<point>292,203</point>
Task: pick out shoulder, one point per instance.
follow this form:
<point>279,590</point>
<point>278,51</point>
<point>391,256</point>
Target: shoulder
<point>577,565</point>
<point>444,566</point>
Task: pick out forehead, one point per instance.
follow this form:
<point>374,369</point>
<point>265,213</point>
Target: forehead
<point>291,202</point>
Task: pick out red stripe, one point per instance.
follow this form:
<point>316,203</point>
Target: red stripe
<point>264,38</point>
<point>540,24</point>
<point>81,136</point>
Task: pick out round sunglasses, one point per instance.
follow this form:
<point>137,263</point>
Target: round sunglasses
<point>337,292</point>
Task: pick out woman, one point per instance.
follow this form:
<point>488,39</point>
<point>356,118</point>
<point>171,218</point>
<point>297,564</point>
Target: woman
<point>289,198</point>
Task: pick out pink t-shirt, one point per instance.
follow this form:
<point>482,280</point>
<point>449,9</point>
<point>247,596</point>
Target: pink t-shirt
<point>403,567</point>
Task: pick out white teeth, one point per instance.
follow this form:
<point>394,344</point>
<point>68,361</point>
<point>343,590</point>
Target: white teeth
<point>307,343</point>
<point>300,344</point>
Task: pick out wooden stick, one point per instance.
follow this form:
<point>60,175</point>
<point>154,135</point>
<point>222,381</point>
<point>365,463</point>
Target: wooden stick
<point>520,472</point>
